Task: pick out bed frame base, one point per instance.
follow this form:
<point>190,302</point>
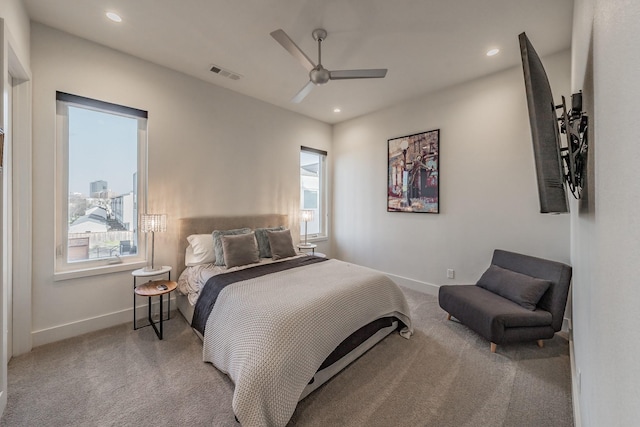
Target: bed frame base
<point>330,371</point>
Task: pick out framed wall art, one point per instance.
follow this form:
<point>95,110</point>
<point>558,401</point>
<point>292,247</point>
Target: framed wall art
<point>413,173</point>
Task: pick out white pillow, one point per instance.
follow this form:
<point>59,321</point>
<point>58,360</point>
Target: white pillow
<point>189,259</point>
<point>200,250</point>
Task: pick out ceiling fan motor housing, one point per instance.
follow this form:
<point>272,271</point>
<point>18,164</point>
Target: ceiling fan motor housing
<point>319,75</point>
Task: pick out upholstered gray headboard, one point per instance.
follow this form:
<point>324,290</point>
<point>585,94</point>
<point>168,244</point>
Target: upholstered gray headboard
<point>204,225</point>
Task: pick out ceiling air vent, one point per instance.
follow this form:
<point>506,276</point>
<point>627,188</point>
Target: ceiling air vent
<point>225,73</point>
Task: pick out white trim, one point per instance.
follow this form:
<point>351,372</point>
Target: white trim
<point>96,271</point>
<point>7,217</point>
<point>91,324</point>
<point>575,389</point>
<point>323,196</point>
<point>22,217</point>
<point>22,223</point>
<point>315,238</point>
<point>63,268</point>
<point>427,288</point>
<point>5,234</point>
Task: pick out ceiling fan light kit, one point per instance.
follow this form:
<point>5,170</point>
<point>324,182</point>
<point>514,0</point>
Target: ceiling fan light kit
<point>318,75</point>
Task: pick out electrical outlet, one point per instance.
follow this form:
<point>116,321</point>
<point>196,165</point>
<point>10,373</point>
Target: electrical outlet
<point>450,273</point>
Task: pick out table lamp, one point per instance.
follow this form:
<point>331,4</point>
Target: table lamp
<point>306,216</point>
<point>151,223</point>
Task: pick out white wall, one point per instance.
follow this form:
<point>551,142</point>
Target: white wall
<point>211,152</point>
<point>488,193</point>
<point>606,228</point>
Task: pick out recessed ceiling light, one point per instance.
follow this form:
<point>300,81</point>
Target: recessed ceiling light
<point>114,17</point>
<point>336,110</point>
<point>493,52</point>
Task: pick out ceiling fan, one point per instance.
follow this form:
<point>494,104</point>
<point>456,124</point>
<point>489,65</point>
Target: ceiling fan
<point>318,75</point>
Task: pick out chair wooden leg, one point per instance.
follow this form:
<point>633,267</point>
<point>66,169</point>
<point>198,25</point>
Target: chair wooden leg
<point>448,316</point>
<point>540,343</point>
<point>493,347</point>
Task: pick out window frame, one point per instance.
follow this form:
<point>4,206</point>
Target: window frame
<point>63,269</point>
<point>322,197</point>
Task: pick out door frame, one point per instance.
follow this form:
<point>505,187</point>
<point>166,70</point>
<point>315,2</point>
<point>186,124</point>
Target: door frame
<point>21,206</point>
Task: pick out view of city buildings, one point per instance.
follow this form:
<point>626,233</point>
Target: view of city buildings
<point>103,224</point>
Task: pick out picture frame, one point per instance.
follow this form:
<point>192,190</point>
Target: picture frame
<point>413,169</point>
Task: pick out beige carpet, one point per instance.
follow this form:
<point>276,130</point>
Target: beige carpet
<point>444,376</point>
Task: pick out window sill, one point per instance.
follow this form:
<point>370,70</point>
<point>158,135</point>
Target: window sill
<point>317,239</point>
<point>97,271</point>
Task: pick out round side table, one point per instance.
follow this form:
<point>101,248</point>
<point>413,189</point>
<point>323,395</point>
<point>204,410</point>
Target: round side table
<point>157,288</point>
<point>140,273</point>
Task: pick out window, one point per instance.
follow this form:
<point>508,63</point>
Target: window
<point>313,191</point>
<point>101,182</point>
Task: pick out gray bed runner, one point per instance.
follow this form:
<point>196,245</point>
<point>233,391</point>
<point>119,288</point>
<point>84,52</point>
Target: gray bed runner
<point>215,285</point>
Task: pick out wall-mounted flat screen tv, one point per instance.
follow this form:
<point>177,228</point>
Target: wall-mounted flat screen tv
<point>544,132</point>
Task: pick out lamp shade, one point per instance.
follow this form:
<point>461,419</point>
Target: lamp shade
<point>153,222</point>
<point>307,215</point>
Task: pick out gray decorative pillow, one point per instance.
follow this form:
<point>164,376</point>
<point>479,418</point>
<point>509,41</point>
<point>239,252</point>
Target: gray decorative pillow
<point>240,249</point>
<point>281,244</point>
<point>263,241</point>
<point>217,242</point>
<point>519,288</point>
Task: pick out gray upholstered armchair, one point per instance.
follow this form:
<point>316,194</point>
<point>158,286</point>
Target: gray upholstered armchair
<point>519,298</point>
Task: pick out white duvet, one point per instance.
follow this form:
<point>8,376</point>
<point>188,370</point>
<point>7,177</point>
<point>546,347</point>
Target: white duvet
<point>193,278</point>
<point>271,334</point>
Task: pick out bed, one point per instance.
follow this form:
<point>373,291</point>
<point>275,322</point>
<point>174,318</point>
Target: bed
<point>282,328</point>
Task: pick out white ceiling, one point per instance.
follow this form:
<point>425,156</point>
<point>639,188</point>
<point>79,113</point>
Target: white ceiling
<point>426,44</point>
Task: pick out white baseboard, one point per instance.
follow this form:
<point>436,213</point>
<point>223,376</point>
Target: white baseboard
<point>416,285</point>
<point>80,327</point>
<point>575,387</point>
<point>68,330</point>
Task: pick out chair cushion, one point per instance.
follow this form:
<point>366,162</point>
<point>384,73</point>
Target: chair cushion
<point>490,315</point>
<point>555,299</point>
<point>517,287</point>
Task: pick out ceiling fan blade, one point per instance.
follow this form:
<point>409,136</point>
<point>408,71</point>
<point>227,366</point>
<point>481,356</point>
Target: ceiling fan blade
<point>303,92</point>
<point>376,73</point>
<point>286,42</point>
